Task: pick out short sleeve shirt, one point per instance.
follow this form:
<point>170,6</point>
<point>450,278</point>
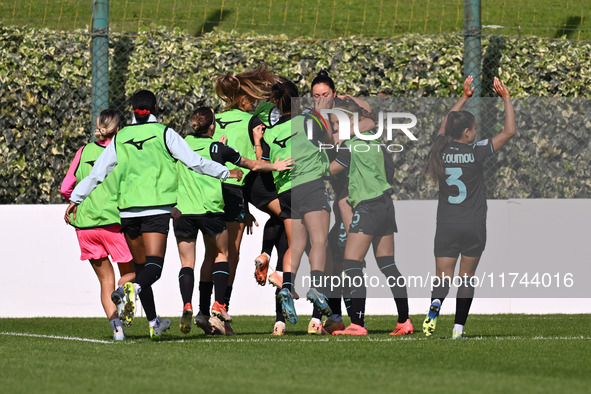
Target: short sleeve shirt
<point>462,191</point>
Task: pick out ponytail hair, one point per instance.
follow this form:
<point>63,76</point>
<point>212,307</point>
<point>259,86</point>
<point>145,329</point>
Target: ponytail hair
<point>227,87</point>
<point>201,119</point>
<point>144,105</point>
<point>455,124</point>
<point>322,77</point>
<point>434,166</point>
<point>107,124</point>
<point>282,93</point>
<point>255,83</point>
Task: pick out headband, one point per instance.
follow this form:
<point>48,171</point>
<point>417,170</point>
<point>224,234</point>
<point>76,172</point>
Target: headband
<point>142,111</point>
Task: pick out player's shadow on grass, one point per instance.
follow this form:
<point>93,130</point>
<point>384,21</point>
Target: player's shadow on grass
<point>268,334</point>
<point>570,27</point>
<point>212,20</point>
<point>166,337</point>
<point>385,331</point>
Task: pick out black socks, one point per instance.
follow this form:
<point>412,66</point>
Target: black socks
<point>221,272</point>
<point>464,301</point>
<point>146,295</point>
<point>388,267</point>
<point>205,290</point>
<point>356,292</point>
<point>186,283</point>
<point>151,271</point>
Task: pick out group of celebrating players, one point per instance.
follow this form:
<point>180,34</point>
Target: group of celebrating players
<point>263,150</point>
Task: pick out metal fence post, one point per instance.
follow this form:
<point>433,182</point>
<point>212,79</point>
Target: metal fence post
<point>100,58</point>
<point>472,52</point>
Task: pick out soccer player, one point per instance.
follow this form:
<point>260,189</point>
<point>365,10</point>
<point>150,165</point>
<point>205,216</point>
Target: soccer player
<point>308,213</point>
<point>373,223</point>
<point>325,97</point>
<point>97,221</point>
<point>260,191</point>
<point>337,240</point>
<point>240,93</point>
<point>144,154</point>
<point>200,206</point>
<point>455,162</point>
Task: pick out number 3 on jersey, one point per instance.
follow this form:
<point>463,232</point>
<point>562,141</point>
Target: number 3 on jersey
<point>453,180</point>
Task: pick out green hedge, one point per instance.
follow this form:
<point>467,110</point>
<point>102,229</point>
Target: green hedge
<point>45,79</point>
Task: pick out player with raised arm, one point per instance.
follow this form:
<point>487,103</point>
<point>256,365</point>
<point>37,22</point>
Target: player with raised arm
<point>201,207</point>
<point>455,162</point>
<point>325,96</point>
<point>144,154</point>
<point>240,93</point>
<point>261,192</point>
<point>373,224</point>
<point>306,216</point>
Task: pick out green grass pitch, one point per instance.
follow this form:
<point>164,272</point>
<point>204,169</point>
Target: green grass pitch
<point>514,353</point>
<point>312,18</point>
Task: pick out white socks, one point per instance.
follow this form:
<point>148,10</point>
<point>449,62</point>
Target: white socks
<point>155,322</point>
<point>116,324</point>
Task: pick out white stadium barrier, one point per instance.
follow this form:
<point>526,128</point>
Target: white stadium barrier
<point>42,275</point>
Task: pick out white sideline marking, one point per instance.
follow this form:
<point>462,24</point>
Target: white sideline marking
<point>22,334</point>
<point>368,339</point>
<point>327,339</point>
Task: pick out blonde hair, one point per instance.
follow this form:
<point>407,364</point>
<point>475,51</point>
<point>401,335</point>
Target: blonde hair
<point>107,123</point>
<point>255,83</point>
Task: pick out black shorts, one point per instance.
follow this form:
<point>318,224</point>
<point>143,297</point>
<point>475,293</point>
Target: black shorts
<point>259,189</point>
<point>235,206</point>
<point>188,226</point>
<point>374,217</point>
<point>337,240</point>
<point>136,226</point>
<point>285,204</point>
<point>453,239</point>
<point>309,197</point>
